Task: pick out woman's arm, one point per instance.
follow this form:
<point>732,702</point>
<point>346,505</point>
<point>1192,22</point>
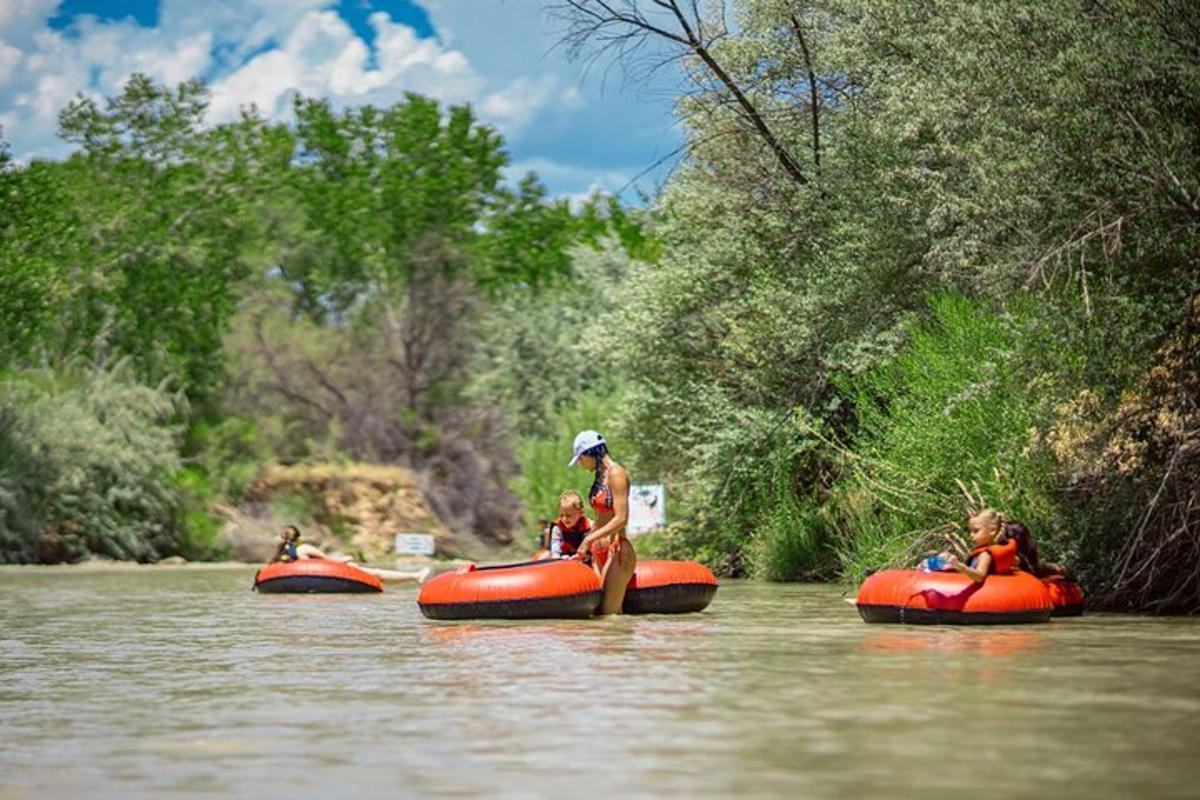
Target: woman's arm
<point>976,573</point>
<point>279,548</point>
<point>618,482</point>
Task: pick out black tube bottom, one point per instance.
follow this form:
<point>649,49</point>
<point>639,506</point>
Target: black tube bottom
<point>575,606</point>
<point>313,584</point>
<point>931,616</point>
<point>676,598</point>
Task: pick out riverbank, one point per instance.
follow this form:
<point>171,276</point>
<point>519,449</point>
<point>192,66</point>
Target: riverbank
<point>95,566</point>
<point>120,566</point>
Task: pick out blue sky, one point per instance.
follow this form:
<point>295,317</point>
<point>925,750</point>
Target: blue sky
<point>577,130</point>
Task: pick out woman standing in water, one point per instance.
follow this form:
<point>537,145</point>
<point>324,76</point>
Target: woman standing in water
<point>610,550</point>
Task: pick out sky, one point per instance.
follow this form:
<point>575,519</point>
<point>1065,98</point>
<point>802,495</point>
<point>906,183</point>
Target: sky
<point>579,128</point>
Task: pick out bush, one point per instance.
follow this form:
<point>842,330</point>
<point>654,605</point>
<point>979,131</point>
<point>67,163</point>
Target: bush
<point>1130,473</point>
<point>790,538</point>
<point>543,458</point>
<point>90,459</point>
<point>946,426</point>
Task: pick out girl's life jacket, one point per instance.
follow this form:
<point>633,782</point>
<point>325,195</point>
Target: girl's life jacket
<point>1004,557</point>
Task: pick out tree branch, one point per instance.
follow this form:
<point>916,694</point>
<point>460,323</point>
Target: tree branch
<point>601,21</point>
<point>814,99</point>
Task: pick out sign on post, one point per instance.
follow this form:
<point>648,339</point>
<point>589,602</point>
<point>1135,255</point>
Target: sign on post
<point>414,544</point>
<point>647,507</point>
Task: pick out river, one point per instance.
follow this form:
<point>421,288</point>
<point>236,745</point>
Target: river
<point>165,682</point>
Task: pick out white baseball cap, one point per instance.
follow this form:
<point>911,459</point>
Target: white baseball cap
<point>585,441</point>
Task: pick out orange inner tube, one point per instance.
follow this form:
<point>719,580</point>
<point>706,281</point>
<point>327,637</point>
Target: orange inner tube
<point>950,598</point>
<point>669,587</point>
<point>528,590</point>
<point>1066,596</point>
<point>314,575</point>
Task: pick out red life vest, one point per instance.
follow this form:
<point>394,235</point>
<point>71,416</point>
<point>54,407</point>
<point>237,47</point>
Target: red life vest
<point>1004,556</point>
<point>572,537</point>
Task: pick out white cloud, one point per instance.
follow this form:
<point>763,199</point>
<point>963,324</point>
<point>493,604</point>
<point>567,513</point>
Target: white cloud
<point>322,57</point>
<point>10,57</point>
<point>254,52</point>
<point>574,179</point>
<point>19,18</point>
<point>515,105</point>
<point>498,55</point>
<point>578,200</point>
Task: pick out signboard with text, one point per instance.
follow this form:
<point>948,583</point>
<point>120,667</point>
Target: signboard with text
<point>414,544</point>
<point>647,507</point>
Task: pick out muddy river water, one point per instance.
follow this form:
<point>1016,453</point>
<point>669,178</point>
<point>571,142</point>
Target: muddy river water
<point>162,682</point>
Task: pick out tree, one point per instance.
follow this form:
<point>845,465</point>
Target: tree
<point>160,233</point>
<point>689,35</point>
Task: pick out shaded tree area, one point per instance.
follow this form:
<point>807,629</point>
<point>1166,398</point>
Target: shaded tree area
<point>866,187</point>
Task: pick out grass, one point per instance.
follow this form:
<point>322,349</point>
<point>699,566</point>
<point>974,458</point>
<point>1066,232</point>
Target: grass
<point>944,428</point>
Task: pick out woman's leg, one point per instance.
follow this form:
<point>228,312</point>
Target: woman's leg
<point>396,575</point>
<point>617,574</point>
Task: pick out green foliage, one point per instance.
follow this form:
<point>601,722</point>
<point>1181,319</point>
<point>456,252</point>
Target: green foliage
<point>954,412</point>
<point>24,477</point>
<point>995,151</point>
<point>159,231</point>
<point>223,457</point>
<point>89,467</point>
<point>381,190</point>
<point>543,458</point>
<point>791,542</point>
<point>528,239</point>
<point>539,352</point>
<point>33,230</point>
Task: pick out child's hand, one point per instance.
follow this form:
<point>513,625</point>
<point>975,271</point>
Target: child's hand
<point>952,562</point>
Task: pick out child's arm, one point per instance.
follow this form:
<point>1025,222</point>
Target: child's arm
<point>976,573</point>
<point>555,541</point>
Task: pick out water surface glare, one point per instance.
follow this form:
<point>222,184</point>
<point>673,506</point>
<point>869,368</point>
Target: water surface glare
<point>162,682</point>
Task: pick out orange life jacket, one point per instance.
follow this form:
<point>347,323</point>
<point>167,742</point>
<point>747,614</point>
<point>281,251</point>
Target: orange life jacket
<point>572,536</point>
<point>1004,556</point>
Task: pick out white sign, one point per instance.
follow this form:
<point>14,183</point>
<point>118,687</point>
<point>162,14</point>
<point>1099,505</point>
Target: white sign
<point>414,544</point>
<point>647,507</point>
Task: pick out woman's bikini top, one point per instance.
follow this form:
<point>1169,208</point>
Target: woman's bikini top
<point>601,496</point>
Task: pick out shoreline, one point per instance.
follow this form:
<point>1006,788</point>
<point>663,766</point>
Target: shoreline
<point>122,566</point>
<point>102,565</point>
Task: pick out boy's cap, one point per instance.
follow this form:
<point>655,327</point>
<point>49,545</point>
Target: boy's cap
<point>585,441</point>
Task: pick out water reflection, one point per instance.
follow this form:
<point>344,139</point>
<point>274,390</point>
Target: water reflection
<point>944,640</point>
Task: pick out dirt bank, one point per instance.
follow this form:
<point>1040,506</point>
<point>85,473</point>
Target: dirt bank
<point>352,508</point>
